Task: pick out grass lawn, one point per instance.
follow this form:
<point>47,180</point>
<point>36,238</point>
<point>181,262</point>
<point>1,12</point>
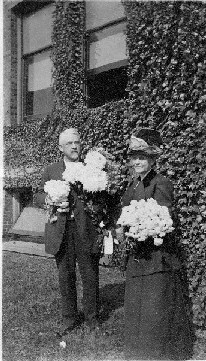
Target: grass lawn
<point>31,315</point>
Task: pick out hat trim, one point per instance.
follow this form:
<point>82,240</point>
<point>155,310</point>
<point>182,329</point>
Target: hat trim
<point>139,145</point>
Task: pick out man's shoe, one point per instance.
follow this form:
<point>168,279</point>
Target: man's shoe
<point>92,324</point>
<point>67,327</point>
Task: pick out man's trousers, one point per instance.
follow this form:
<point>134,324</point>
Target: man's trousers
<point>72,250</point>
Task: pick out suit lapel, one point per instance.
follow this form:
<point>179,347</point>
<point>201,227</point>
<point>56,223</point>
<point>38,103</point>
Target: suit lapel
<point>61,168</point>
<point>77,203</point>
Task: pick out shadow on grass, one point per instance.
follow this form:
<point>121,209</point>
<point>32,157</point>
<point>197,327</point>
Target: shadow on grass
<point>111,298</point>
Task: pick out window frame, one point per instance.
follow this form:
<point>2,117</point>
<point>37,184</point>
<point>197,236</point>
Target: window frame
<point>21,10</point>
<point>90,73</point>
<point>24,78</point>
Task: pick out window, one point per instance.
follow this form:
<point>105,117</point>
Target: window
<point>37,65</point>
<point>21,199</point>
<point>106,57</point>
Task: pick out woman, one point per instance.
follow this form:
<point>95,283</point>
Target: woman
<point>156,323</point>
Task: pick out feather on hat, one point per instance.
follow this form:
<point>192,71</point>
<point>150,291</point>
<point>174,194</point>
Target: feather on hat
<point>147,141</point>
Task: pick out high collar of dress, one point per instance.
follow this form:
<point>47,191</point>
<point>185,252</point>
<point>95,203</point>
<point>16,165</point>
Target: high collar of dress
<point>146,179</point>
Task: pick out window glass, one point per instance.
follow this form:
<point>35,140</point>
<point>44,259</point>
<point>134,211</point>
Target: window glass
<point>39,71</point>
<point>37,65</point>
<point>106,65</point>
<point>38,97</point>
<point>107,46</point>
<point>106,86</point>
<point>100,12</point>
<point>37,30</point>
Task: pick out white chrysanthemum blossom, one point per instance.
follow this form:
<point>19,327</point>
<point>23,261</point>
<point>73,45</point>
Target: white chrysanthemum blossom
<point>63,344</point>
<point>158,241</point>
<point>146,219</point>
<point>94,180</point>
<point>95,159</point>
<point>73,172</point>
<point>101,224</point>
<point>57,190</point>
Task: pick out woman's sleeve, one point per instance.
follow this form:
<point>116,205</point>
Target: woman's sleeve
<point>164,193</point>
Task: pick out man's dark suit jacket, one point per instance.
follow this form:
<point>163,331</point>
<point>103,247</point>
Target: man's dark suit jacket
<point>148,258</point>
<point>54,232</point>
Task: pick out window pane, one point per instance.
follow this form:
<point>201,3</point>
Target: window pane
<point>39,71</point>
<point>37,30</point>
<point>106,87</point>
<point>39,103</point>
<point>107,46</point>
<point>38,97</point>
<point>100,12</point>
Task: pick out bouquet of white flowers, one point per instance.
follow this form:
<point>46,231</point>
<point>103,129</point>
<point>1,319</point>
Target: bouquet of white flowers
<point>98,173</point>
<point>57,197</point>
<point>144,219</point>
<point>94,177</point>
<point>57,190</point>
<point>95,159</point>
<point>90,174</point>
<point>74,172</point>
<point>93,181</point>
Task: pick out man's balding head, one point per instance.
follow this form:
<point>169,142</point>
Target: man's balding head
<point>66,134</point>
<point>69,144</point>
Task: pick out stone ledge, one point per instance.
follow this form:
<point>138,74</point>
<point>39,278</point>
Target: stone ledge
<point>31,248</point>
<point>37,249</point>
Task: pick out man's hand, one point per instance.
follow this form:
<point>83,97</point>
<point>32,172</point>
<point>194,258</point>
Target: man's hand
<point>119,234</point>
<point>48,201</point>
<point>63,207</point>
<point>62,204</point>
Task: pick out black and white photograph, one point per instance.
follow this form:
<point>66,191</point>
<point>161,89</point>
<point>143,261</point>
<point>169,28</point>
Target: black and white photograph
<point>104,180</point>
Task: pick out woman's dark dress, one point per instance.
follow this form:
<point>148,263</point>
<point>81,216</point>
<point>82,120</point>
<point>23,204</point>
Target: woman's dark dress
<point>156,322</point>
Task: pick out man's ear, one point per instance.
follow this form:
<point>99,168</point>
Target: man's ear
<point>60,148</point>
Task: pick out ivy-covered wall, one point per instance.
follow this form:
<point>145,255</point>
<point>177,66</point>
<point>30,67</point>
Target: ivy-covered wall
<point>166,90</point>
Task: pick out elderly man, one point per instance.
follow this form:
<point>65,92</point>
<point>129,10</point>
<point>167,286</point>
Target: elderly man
<point>72,238</point>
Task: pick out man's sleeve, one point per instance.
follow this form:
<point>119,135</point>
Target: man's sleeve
<point>41,195</point>
<point>114,209</point>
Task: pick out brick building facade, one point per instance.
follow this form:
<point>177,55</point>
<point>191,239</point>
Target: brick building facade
<point>28,68</point>
<point>9,98</point>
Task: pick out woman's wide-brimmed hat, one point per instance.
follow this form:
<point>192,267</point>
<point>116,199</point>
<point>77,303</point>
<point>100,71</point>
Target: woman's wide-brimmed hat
<point>147,141</point>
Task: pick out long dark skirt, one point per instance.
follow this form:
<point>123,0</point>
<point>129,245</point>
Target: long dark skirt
<point>156,323</point>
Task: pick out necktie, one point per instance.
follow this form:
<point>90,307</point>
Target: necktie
<point>138,190</point>
<point>136,182</point>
